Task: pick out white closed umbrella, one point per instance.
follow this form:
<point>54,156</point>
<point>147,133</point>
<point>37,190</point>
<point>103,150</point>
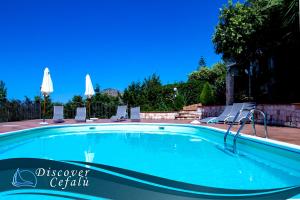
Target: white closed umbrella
<point>89,90</point>
<point>46,89</point>
<point>47,85</point>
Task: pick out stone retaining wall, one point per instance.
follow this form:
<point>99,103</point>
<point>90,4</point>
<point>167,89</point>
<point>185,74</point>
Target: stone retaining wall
<point>158,115</point>
<point>284,115</point>
<point>210,111</point>
<point>277,114</point>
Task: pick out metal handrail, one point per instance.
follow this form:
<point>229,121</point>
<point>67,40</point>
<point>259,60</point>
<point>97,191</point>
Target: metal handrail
<point>239,130</point>
<point>252,111</point>
<point>265,120</point>
<point>230,126</point>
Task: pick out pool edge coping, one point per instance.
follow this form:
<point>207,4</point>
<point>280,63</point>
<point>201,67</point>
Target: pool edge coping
<point>265,141</point>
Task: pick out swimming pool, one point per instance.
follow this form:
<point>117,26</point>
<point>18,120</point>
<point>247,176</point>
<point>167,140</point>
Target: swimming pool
<point>183,153</point>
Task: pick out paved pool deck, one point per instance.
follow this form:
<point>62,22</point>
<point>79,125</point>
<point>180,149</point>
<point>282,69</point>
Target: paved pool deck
<point>284,134</point>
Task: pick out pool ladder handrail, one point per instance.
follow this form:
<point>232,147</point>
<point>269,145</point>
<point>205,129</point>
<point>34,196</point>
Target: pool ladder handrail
<point>251,112</point>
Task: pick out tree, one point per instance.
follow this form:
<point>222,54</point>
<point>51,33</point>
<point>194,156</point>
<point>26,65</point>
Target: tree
<point>97,88</point>
<point>3,92</point>
<point>104,98</point>
<point>219,82</point>
<point>290,13</point>
<point>262,36</point>
<point>179,102</point>
<point>215,76</point>
<point>191,90</point>
<point>201,63</point>
<point>78,101</point>
<point>133,94</point>
<point>37,99</point>
<point>103,105</point>
<point>236,30</point>
<point>71,105</point>
<point>207,96</point>
<point>218,70</point>
<point>246,31</point>
<point>27,101</point>
<point>151,95</point>
<point>151,92</point>
<point>204,74</point>
<point>14,106</point>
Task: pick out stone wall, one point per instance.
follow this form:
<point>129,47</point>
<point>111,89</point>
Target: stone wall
<point>210,111</point>
<point>281,114</point>
<point>158,115</point>
<point>277,114</point>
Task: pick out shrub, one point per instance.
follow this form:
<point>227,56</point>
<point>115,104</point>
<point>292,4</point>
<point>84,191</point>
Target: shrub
<point>179,102</point>
<point>207,96</point>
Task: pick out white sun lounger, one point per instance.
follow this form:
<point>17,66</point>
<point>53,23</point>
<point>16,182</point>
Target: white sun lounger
<point>58,114</point>
<point>221,117</point>
<point>121,114</point>
<point>245,109</point>
<point>135,114</point>
<point>80,114</point>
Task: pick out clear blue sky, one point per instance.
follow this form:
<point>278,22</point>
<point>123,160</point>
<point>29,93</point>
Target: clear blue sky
<point>116,41</point>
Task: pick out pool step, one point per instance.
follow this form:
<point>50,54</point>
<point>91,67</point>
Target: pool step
<point>228,150</point>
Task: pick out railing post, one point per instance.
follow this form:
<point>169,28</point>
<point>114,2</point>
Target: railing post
<point>253,122</point>
<point>230,126</point>
<point>265,125</point>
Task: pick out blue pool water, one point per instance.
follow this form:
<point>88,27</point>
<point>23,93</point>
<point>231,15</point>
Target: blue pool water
<point>183,153</point>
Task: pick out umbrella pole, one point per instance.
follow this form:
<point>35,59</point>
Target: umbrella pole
<point>89,108</point>
<point>44,108</point>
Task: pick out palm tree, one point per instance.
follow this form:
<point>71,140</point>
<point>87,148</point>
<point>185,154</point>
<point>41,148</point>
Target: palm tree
<point>290,12</point>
